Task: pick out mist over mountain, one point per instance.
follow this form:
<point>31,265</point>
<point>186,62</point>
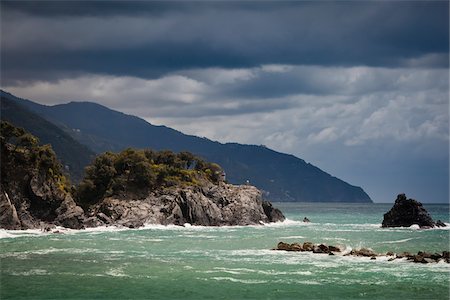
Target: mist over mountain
<point>281,176</point>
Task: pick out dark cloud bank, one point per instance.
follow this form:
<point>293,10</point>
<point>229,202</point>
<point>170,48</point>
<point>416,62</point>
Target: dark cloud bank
<point>148,39</point>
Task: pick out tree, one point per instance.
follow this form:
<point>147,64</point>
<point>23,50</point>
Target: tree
<point>186,158</point>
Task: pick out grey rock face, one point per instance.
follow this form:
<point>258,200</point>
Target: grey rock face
<point>37,203</point>
<point>212,205</point>
<point>407,212</point>
<point>8,213</point>
<point>41,205</point>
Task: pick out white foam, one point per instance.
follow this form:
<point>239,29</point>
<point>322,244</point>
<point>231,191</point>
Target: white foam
<point>116,272</point>
<point>32,272</point>
<point>286,223</point>
<point>293,281</point>
<point>292,237</point>
<point>246,281</point>
<point>21,233</point>
<point>397,241</point>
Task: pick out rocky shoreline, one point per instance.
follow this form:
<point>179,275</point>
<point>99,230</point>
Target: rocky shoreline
<point>420,257</point>
<point>40,205</point>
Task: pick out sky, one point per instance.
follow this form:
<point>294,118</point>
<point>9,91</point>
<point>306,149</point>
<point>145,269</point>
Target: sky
<point>357,88</point>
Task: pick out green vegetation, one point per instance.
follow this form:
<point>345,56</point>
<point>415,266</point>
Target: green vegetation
<point>138,172</point>
<point>22,157</point>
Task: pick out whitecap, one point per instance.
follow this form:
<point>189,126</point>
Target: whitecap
<point>287,222</point>
<point>292,237</point>
<point>32,272</point>
<point>21,233</point>
<point>116,272</point>
<point>397,241</point>
<point>246,281</point>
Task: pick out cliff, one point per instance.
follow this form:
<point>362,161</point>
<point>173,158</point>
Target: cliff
<point>212,205</point>
<point>34,193</point>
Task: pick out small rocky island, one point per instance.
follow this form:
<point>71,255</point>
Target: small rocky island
<point>407,212</point>
<point>131,188</point>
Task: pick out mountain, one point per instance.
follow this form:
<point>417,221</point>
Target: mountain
<point>73,155</point>
<point>281,176</point>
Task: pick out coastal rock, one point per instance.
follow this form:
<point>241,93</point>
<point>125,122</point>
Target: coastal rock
<point>34,192</point>
<point>210,205</point>
<point>8,214</point>
<point>307,246</point>
<point>272,213</point>
<point>289,247</point>
<point>363,252</point>
<point>69,215</point>
<point>321,249</point>
<point>38,203</point>
<point>403,255</point>
<point>407,212</point>
<point>334,249</point>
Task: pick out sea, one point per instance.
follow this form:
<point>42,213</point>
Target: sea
<point>231,262</point>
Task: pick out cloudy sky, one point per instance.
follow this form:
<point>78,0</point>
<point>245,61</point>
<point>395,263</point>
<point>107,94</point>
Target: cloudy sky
<point>357,88</point>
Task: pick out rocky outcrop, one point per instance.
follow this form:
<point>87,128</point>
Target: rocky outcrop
<point>37,204</point>
<point>210,205</point>
<point>34,192</point>
<point>407,212</point>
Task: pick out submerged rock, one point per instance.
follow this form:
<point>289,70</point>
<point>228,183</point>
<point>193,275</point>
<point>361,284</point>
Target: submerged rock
<point>407,212</point>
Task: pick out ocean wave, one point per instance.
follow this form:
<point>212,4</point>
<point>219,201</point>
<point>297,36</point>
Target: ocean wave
<point>246,281</point>
<point>292,237</point>
<point>4,233</point>
<point>32,272</point>
<point>397,241</point>
<point>116,272</point>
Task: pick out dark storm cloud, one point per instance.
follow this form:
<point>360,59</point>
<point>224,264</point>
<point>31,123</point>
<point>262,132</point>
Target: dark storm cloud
<point>150,39</point>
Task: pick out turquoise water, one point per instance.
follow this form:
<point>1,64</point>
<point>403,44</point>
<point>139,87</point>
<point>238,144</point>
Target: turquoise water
<point>173,262</point>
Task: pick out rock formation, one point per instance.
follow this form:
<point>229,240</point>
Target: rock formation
<point>34,193</point>
<point>212,205</point>
<point>407,212</point>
